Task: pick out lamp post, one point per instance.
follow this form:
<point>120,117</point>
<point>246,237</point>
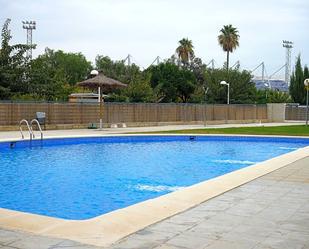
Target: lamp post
<point>94,73</point>
<point>306,83</point>
<point>266,86</point>
<point>228,90</point>
<point>205,109</point>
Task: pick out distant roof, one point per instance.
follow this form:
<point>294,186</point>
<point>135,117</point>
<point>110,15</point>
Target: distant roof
<point>279,85</point>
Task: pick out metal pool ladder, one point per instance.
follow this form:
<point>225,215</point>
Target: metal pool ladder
<point>31,133</point>
<point>39,126</point>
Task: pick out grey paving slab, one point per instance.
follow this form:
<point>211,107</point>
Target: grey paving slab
<point>8,237</point>
<point>186,241</point>
<point>270,212</point>
<point>22,240</point>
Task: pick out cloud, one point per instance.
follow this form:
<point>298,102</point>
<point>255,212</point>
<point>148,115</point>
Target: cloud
<point>149,28</point>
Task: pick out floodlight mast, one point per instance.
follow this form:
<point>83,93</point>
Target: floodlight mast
<point>29,26</point>
<point>288,45</point>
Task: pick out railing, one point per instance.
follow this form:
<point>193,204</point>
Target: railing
<point>39,126</point>
<point>29,129</point>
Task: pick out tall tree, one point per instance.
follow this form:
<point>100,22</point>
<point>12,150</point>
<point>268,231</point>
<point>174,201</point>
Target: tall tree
<point>117,69</point>
<point>297,89</point>
<point>242,89</point>
<point>306,72</point>
<point>229,41</point>
<point>172,83</point>
<point>13,64</point>
<point>185,50</point>
<point>54,74</point>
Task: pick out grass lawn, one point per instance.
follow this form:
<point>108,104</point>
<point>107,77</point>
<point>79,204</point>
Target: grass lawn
<point>297,130</point>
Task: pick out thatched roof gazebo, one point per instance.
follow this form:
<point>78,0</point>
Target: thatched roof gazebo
<point>103,84</point>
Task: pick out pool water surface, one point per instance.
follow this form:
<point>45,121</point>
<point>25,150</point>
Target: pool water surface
<point>81,178</point>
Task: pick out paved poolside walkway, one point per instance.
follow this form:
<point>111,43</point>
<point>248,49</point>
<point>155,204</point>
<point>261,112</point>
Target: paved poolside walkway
<point>271,212</point>
<point>106,131</point>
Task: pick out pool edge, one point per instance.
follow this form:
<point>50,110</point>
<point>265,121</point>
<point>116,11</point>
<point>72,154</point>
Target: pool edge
<point>108,228</point>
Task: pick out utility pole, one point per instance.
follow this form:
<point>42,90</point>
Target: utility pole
<point>29,26</point>
<point>288,45</point>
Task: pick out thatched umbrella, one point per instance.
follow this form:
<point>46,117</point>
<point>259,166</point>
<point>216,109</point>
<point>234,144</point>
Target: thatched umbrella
<point>106,84</point>
<point>103,84</point>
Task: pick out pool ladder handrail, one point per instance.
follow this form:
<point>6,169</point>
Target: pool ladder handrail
<point>39,126</point>
<point>30,129</point>
<point>21,130</point>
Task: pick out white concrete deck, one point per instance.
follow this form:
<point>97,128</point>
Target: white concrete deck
<point>5,135</point>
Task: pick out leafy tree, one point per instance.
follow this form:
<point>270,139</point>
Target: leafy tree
<point>261,96</point>
<point>228,40</point>
<point>306,72</point>
<point>13,64</point>
<point>185,50</point>
<point>198,68</point>
<point>117,69</point>
<point>54,74</point>
<point>242,89</point>
<point>172,83</point>
<point>139,90</point>
<point>278,97</point>
<point>297,88</point>
<point>272,96</point>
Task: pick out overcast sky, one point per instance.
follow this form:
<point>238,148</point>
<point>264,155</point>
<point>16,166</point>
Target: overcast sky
<point>149,28</point>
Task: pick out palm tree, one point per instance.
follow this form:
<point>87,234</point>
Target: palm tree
<point>185,50</point>
<point>228,40</point>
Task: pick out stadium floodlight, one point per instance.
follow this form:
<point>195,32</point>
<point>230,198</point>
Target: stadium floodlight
<point>29,26</point>
<point>288,45</point>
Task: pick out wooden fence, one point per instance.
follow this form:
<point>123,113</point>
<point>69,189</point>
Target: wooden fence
<point>295,112</point>
<point>84,113</point>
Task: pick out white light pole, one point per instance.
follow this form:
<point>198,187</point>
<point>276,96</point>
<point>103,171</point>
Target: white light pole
<point>306,83</point>
<point>205,109</point>
<point>266,86</point>
<point>228,90</point>
<point>94,73</point>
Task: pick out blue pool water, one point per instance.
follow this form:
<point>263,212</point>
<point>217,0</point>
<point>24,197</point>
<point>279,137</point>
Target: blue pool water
<point>86,177</point>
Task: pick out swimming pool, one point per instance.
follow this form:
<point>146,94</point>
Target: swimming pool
<point>80,178</point>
